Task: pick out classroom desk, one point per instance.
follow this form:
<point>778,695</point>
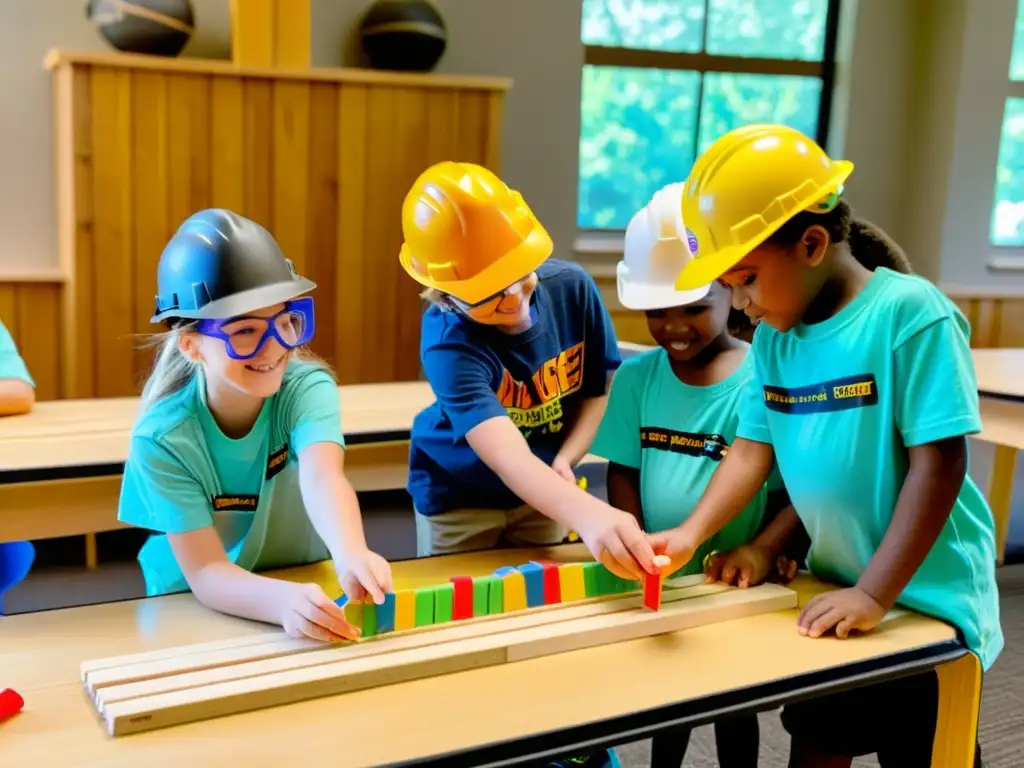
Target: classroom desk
<point>61,464</point>
<point>493,716</point>
<point>1000,375</point>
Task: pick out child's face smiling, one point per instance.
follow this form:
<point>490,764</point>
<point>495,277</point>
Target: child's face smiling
<point>685,331</point>
<point>776,284</point>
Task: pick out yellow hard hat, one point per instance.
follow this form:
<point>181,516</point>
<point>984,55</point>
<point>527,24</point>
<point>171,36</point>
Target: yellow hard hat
<point>747,185</point>
<point>468,234</point>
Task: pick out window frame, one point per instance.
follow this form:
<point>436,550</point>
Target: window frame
<point>608,240</point>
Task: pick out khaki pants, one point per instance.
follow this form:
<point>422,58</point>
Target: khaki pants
<point>467,530</point>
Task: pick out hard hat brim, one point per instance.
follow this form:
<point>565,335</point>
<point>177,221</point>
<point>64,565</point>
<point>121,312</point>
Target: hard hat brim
<point>508,270</point>
<point>243,302</point>
<point>707,269</point>
<point>644,296</point>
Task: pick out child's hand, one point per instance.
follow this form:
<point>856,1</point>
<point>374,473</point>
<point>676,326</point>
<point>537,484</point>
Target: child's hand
<point>745,566</point>
<point>675,543</point>
<point>309,612</point>
<point>844,609</point>
<point>562,466</point>
<point>363,573</point>
<point>785,570</point>
<point>614,538</point>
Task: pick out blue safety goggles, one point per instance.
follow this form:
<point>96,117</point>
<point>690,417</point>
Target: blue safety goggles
<point>245,335</point>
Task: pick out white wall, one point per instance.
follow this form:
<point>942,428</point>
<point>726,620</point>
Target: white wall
<point>916,109</point>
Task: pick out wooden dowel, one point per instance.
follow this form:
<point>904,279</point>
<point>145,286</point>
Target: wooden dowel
<point>192,704</point>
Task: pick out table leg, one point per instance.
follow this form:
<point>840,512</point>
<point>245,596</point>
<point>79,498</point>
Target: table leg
<point>1000,494</point>
<point>91,556</point>
<point>956,732</point>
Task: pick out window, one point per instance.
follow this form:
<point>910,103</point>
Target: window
<point>1007,225</point>
<point>662,79</point>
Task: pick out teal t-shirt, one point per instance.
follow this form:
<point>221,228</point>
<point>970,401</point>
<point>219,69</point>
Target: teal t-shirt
<point>676,435</point>
<point>12,366</point>
<point>841,402</point>
<point>183,474</point>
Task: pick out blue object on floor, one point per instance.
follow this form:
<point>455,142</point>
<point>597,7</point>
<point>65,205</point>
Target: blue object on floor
<point>16,558</point>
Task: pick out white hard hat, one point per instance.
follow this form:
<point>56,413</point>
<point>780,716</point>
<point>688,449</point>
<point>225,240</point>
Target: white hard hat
<point>656,251</point>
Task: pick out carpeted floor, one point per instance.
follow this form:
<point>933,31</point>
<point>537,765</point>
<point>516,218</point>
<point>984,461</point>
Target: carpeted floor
<point>59,581</point>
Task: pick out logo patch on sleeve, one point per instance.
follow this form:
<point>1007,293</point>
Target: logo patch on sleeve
<point>238,503</point>
<point>277,461</point>
<point>835,395</point>
<point>711,446</point>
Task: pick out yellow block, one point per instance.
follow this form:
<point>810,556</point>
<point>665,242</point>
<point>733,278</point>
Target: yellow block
<point>514,591</point>
<point>405,609</point>
<point>570,579</point>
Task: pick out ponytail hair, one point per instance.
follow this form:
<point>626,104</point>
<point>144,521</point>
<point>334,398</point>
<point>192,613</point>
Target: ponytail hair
<point>869,244</point>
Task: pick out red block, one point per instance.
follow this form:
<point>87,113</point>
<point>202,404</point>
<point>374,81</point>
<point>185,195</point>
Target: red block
<point>652,590</point>
<point>552,584</point>
<point>462,603</point>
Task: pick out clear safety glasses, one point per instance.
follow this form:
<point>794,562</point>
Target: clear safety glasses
<point>495,299</point>
<point>245,335</point>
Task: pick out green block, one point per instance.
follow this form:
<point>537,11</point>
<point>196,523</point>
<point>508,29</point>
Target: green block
<point>424,606</point>
<point>481,593</point>
<point>369,619</point>
<point>444,598</point>
<point>354,614</point>
<point>496,596</point>
<point>591,578</point>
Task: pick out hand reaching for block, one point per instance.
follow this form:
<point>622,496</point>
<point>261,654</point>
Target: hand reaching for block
<point>364,573</point>
<point>309,612</point>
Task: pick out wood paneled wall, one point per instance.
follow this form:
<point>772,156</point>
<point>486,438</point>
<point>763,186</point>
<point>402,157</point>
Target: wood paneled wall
<point>322,158</point>
<point>997,319</point>
<point>31,312</point>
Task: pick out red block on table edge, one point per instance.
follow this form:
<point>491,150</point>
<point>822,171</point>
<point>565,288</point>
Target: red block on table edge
<point>462,602</point>
<point>552,582</point>
<point>10,703</point>
<point>652,590</point>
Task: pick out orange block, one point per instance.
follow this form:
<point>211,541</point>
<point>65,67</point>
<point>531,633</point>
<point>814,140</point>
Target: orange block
<point>572,585</point>
<point>405,609</point>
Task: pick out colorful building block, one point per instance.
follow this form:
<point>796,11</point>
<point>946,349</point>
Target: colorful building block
<point>444,598</point>
<point>386,614</point>
<point>552,584</point>
<point>462,607</point>
<point>496,596</point>
<point>652,583</point>
<point>481,594</point>
<point>571,584</point>
<point>424,606</point>
<point>534,576</point>
<point>505,570</point>
<point>591,577</point>
<point>370,612</point>
<point>515,591</point>
<point>353,611</point>
<point>405,609</point>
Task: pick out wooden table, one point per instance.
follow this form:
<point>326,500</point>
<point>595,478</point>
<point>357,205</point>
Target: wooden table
<point>1000,374</point>
<point>61,464</point>
<point>496,715</point>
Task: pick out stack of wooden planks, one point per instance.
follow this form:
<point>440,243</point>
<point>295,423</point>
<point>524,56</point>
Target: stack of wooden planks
<point>185,684</point>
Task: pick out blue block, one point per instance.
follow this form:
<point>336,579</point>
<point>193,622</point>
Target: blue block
<point>533,574</point>
<point>505,569</point>
<point>386,614</point>
<point>341,601</point>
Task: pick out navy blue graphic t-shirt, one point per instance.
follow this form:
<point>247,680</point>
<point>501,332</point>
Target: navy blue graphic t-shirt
<point>538,378</point>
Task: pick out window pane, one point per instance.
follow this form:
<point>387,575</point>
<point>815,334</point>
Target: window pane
<point>1017,56</point>
<point>637,135</point>
<point>1008,211</point>
<point>659,25</point>
<point>781,29</point>
<point>733,100</point>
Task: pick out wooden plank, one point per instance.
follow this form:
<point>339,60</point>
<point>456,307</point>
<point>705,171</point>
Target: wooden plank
<point>252,32</point>
<point>293,31</point>
<point>38,335</point>
<point>150,182</point>
<point>112,187</point>
<point>276,688</point>
<point>323,217</point>
<point>257,148</point>
<point>379,258</point>
<point>291,169</point>
<point>473,133</point>
<point>9,308</point>
<point>57,508</point>
<point>494,129</point>
<point>227,163</point>
<point>214,663</point>
<point>80,305</point>
<point>351,302</point>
